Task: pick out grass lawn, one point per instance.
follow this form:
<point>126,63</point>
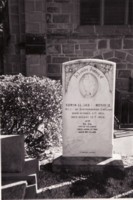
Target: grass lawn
<point>93,185</point>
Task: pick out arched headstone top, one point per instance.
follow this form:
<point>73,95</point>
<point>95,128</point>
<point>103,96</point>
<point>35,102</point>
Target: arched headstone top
<point>88,107</point>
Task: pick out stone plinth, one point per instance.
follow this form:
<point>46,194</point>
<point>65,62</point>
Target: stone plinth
<point>12,153</point>
<point>19,175</point>
<point>83,165</point>
<point>29,173</point>
<point>14,191</point>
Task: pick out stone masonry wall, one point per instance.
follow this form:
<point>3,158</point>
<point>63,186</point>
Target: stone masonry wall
<point>14,56</point>
<point>25,17</point>
<point>117,50</point>
<point>56,22</point>
<point>35,29</point>
<point>67,40</point>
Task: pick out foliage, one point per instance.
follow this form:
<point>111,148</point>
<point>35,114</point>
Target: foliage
<point>31,106</point>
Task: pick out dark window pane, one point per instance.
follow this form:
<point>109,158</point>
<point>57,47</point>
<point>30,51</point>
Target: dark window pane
<point>114,12</point>
<point>131,12</point>
<point>89,12</point>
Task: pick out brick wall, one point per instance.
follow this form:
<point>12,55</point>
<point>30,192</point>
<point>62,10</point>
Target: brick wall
<point>67,40</point>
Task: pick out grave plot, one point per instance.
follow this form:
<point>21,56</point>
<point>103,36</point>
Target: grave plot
<point>88,116</point>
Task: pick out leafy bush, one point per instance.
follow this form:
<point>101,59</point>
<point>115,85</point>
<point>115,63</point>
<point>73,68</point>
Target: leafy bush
<point>31,106</point>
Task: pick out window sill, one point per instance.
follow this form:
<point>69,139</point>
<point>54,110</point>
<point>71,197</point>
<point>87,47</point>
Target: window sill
<point>105,30</point>
<point>97,31</point>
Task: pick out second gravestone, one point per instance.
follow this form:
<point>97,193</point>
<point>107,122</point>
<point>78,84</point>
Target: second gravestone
<point>88,111</point>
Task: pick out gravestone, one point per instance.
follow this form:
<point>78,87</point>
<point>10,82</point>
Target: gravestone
<point>88,108</point>
<point>12,153</point>
<point>19,174</point>
<point>88,112</point>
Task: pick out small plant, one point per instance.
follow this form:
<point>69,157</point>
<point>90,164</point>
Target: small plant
<point>31,106</point>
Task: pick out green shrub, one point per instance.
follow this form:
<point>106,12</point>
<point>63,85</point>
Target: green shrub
<point>31,106</point>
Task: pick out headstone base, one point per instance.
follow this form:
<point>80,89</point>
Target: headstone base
<point>83,165</point>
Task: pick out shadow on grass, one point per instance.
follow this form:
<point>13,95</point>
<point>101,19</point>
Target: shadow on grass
<point>105,184</point>
<point>98,182</point>
<point>94,181</point>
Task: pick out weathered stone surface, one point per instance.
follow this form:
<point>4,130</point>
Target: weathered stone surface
<point>64,1</point>
<point>84,165</point>
<point>98,57</point>
<point>88,107</point>
<point>60,18</point>
<point>112,30</point>
<point>117,60</point>
<point>102,44</point>
<point>29,173</point>
<point>32,19</point>
<point>35,60</point>
<point>53,9</point>
<point>39,5</point>
<point>30,6</point>
<point>31,166</point>
<point>122,84</point>
<point>14,191</point>
<point>124,73</point>
<point>68,48</point>
<point>130,66</point>
<point>33,28</point>
<point>115,43</point>
<point>51,26</point>
<point>80,53</point>
<point>105,30</point>
<point>129,58</point>
<point>35,16</point>
<point>54,68</point>
<point>48,18</point>
<point>59,59</point>
<point>49,1</point>
<point>121,55</point>
<point>49,59</point>
<point>86,30</point>
<point>130,51</point>
<point>12,153</point>
<point>128,44</point>
<point>88,53</point>
<point>54,49</point>
<point>31,191</point>
<point>39,68</point>
<point>8,178</point>
<point>77,46</point>
<point>36,49</point>
<point>121,66</point>
<point>68,8</point>
<point>108,55</point>
<point>88,46</point>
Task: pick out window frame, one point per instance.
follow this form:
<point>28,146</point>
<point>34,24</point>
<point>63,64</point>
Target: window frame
<point>102,14</point>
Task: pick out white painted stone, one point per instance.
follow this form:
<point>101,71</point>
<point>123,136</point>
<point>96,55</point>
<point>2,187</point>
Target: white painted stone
<point>88,108</point>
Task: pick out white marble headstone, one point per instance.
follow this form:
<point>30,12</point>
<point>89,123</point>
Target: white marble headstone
<point>88,108</point>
